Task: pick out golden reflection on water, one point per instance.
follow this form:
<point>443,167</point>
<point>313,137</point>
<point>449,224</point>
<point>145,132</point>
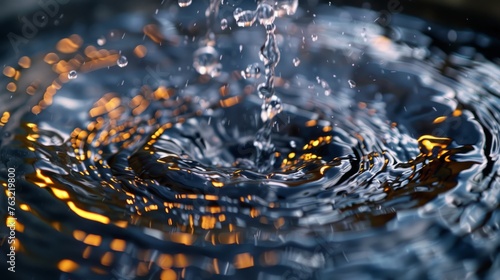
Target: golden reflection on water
<point>173,265</point>
<point>68,58</point>
<point>87,214</point>
<point>66,265</point>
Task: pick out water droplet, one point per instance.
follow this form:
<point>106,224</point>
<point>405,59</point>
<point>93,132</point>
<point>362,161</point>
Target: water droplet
<point>101,41</point>
<point>269,52</point>
<point>265,14</point>
<point>244,18</point>
<point>252,71</point>
<point>264,91</point>
<point>122,61</point>
<point>296,61</point>
<point>352,84</point>
<point>270,28</point>
<point>314,37</point>
<point>293,144</point>
<point>223,24</point>
<point>184,3</point>
<point>271,108</point>
<point>206,61</point>
<point>72,74</point>
<point>429,28</point>
<point>285,7</point>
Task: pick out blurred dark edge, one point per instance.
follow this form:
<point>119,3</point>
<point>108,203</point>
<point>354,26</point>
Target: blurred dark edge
<point>478,15</point>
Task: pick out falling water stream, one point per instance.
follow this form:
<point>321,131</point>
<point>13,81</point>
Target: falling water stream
<point>151,147</point>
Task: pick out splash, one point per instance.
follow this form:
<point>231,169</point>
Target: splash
<point>266,13</point>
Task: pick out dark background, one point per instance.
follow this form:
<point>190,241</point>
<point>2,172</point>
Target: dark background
<point>477,15</point>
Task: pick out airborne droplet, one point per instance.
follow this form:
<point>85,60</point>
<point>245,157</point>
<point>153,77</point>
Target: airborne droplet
<point>269,52</point>
<point>284,7</point>
<point>271,108</point>
<point>101,41</point>
<point>244,18</point>
<point>296,61</point>
<point>72,74</point>
<point>252,71</point>
<point>206,61</point>
<point>264,91</point>
<point>223,24</point>
<point>265,14</point>
<point>184,3</point>
<point>352,84</point>
<point>122,61</point>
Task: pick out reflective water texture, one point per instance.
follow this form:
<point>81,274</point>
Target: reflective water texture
<point>132,165</point>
